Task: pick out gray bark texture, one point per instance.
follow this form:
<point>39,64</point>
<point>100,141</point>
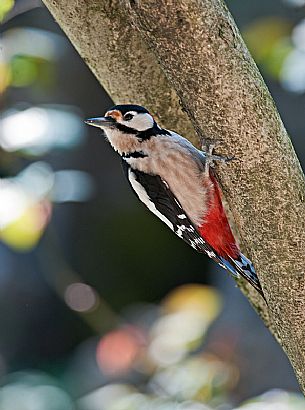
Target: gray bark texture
<point>187,63</point>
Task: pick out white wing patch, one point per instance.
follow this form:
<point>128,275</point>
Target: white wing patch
<point>197,242</point>
<point>182,228</point>
<point>143,196</point>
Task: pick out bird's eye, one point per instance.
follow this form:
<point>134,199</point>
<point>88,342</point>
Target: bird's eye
<point>128,116</point>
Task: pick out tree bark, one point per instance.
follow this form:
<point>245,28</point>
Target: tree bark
<point>206,65</point>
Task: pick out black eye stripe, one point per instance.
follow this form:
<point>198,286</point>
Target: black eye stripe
<point>128,116</point>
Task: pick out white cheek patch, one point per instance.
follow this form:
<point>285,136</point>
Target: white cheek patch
<point>143,196</point>
<point>140,122</point>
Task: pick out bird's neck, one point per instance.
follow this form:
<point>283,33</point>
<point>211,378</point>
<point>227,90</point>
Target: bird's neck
<point>123,143</point>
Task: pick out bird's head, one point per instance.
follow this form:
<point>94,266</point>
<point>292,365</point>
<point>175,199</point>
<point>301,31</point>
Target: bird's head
<point>128,118</point>
<point>126,126</point>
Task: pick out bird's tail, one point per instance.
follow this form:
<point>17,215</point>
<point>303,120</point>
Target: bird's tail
<point>242,266</point>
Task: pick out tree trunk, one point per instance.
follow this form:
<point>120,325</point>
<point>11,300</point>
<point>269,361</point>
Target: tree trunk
<point>206,65</point>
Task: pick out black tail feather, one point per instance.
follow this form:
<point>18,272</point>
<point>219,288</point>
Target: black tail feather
<point>243,267</point>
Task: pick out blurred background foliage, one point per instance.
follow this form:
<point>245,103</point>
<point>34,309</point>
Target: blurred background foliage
<point>100,306</point>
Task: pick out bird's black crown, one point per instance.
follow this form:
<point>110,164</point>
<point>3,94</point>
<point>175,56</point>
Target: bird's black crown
<point>124,108</point>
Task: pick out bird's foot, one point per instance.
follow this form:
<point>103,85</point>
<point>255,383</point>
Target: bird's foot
<point>211,158</point>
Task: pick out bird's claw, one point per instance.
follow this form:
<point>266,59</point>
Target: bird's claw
<point>211,158</point>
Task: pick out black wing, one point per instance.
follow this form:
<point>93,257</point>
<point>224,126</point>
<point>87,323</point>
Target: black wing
<point>154,192</point>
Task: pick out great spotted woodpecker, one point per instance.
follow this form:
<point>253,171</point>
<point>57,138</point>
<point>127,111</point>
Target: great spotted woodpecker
<point>175,182</point>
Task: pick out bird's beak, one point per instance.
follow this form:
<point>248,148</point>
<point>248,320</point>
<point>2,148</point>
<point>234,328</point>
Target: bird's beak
<point>101,122</point>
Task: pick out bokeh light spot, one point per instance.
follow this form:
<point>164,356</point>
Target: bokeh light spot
<point>117,351</point>
<point>24,71</point>
<point>203,300</point>
<point>5,76</point>
<point>24,232</point>
<point>80,297</point>
<point>5,7</point>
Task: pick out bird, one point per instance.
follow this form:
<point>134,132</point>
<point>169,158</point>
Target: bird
<point>176,182</point>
